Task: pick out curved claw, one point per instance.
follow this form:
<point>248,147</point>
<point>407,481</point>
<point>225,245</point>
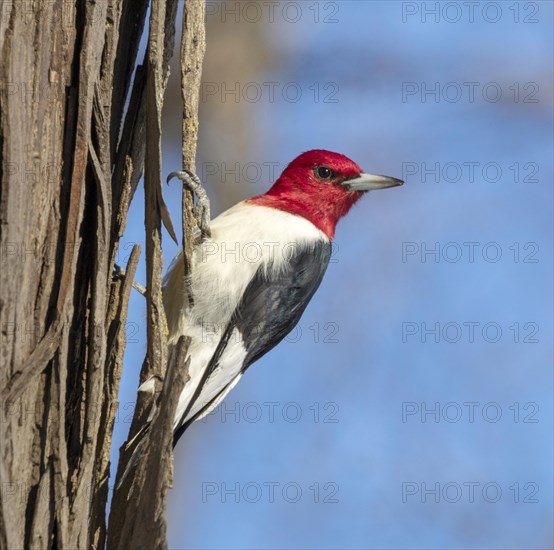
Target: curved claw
<point>202,208</point>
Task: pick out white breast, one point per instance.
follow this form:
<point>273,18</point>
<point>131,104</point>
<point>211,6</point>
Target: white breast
<point>244,238</point>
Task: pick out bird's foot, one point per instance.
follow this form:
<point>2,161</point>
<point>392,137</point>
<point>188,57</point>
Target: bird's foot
<point>202,207</point>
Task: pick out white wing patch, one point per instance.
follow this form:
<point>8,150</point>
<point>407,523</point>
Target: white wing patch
<point>227,372</point>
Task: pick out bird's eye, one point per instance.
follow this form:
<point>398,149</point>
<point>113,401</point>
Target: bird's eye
<point>323,172</point>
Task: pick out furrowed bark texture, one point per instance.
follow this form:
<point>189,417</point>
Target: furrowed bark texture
<point>62,317</point>
<point>72,155</point>
<point>137,517</point>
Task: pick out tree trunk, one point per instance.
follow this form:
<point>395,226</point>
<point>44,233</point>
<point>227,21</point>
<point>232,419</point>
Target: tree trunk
<point>67,176</point>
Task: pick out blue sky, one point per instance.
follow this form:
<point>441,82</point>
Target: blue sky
<point>436,316</point>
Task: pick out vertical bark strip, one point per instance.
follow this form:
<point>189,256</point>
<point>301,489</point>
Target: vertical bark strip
<point>115,329</point>
<point>193,48</point>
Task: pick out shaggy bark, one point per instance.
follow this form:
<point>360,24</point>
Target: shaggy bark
<point>67,176</point>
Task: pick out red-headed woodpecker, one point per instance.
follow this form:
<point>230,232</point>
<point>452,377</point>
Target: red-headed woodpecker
<point>254,270</point>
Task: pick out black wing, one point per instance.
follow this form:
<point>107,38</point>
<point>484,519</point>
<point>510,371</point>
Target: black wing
<point>270,308</point>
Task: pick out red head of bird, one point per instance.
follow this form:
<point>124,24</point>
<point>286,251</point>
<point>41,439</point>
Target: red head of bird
<point>321,186</point>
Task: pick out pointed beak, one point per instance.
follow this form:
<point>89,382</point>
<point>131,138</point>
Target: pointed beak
<point>370,182</point>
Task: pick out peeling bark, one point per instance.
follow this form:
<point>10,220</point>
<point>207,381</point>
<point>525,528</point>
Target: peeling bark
<point>143,494</point>
<point>71,157</point>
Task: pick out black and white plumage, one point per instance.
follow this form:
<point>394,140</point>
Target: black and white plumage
<point>251,283</point>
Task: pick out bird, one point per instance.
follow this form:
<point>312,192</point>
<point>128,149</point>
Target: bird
<point>254,269</point>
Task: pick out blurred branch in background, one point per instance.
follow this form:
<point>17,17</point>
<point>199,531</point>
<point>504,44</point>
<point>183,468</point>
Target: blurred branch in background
<point>238,52</point>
